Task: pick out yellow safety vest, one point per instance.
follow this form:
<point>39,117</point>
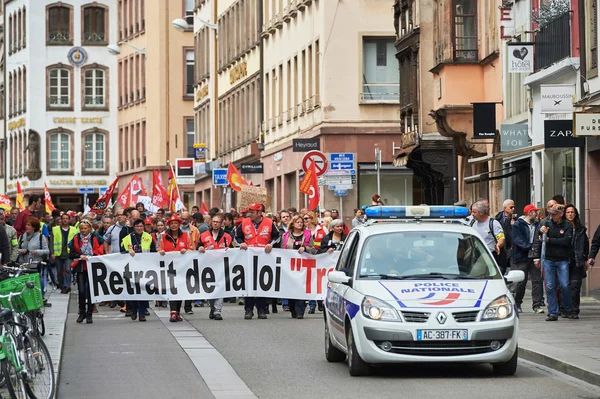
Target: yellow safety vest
<point>146,242</point>
<point>57,238</point>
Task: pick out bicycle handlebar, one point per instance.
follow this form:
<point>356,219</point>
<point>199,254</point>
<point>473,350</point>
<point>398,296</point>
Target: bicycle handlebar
<point>28,285</point>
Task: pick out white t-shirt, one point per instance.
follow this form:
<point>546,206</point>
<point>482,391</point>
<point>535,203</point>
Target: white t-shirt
<point>483,229</point>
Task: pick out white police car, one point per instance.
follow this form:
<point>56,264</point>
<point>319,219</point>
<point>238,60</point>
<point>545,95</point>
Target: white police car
<point>416,284</point>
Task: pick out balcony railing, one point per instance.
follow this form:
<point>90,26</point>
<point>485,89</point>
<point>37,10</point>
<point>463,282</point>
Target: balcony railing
<point>380,92</point>
<point>553,42</point>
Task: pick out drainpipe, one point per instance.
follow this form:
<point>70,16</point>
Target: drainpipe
<point>261,105</point>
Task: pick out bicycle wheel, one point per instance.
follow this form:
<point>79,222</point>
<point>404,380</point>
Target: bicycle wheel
<point>14,382</point>
<point>41,382</point>
<point>41,326</point>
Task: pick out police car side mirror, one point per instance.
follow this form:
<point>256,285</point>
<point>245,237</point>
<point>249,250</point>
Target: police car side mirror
<point>338,277</point>
<point>515,276</point>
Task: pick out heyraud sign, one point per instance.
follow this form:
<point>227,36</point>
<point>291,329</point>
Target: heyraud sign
<point>215,274</point>
<point>306,145</point>
<point>520,57</point>
<point>587,124</point>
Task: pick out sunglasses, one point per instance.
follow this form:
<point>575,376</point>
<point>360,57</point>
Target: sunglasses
<point>306,218</point>
<point>511,207</point>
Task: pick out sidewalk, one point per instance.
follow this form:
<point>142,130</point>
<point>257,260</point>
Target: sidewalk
<point>568,346</point>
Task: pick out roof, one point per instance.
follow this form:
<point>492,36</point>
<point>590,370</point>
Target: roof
<point>423,225</point>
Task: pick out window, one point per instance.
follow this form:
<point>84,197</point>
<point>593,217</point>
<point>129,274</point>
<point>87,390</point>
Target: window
<point>19,27</point>
<point>24,27</point>
<point>94,83</point>
<point>10,36</point>
<point>189,73</point>
<point>60,151</point>
<point>189,137</point>
<point>59,87</point>
<point>59,24</point>
<point>465,30</point>
<point>592,39</point>
<point>189,12</point>
<point>93,152</point>
<point>380,78</point>
<point>94,25</point>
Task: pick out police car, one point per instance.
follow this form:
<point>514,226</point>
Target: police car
<point>417,284</point>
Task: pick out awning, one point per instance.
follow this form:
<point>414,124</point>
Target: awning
<point>402,158</point>
<point>508,154</point>
<point>494,175</point>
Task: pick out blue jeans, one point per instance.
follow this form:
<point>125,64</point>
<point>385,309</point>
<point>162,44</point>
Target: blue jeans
<point>63,266</point>
<point>556,274</point>
<point>139,306</point>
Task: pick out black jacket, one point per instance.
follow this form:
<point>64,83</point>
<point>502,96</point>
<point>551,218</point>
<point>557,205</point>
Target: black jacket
<point>595,244</point>
<point>521,240</point>
<point>327,243</point>
<point>581,243</point>
<point>5,246</point>
<point>507,227</point>
<point>559,245</point>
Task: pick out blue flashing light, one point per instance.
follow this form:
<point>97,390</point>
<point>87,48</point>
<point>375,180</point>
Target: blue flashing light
<point>416,212</point>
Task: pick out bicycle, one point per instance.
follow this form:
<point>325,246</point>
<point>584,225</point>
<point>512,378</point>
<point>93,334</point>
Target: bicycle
<point>24,358</point>
<point>35,317</point>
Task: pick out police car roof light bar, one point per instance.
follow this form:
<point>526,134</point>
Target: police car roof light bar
<point>416,212</point>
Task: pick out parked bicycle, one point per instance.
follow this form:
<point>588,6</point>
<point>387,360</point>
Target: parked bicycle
<point>24,358</point>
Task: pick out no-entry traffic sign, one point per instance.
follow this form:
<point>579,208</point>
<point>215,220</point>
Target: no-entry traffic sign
<point>318,158</point>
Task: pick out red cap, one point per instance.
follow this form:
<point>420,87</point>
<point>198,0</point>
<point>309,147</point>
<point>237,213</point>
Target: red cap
<point>174,218</point>
<point>529,208</point>
<point>255,206</point>
<point>72,213</point>
<point>148,221</point>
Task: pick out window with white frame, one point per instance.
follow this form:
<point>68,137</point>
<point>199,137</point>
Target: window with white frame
<point>60,152</point>
<point>190,137</point>
<point>381,79</point>
<point>59,86</point>
<point>189,73</point>
<point>94,88</point>
<point>93,152</point>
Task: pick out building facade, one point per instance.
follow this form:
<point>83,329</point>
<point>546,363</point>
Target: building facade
<point>155,99</point>
<point>60,98</point>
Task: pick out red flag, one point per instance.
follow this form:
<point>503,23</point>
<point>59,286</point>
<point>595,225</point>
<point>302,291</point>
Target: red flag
<point>160,197</point>
<point>173,192</point>
<point>235,179</point>
<point>125,197</point>
<point>104,200</point>
<point>309,185</point>
<point>48,200</point>
<point>204,209</point>
<point>137,187</point>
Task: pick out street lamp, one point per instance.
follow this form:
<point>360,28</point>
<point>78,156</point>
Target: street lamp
<point>114,48</point>
<point>181,24</point>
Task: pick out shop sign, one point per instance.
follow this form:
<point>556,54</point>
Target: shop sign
<point>557,99</point>
<point>16,124</point>
<point>78,182</point>
<point>559,134</point>
<point>305,145</point>
<point>520,57</point>
<point>514,137</point>
<point>507,23</point>
<point>71,120</point>
<point>587,124</point>
<point>238,72</point>
<point>252,167</point>
<point>200,152</point>
<point>484,120</point>
<point>408,139</point>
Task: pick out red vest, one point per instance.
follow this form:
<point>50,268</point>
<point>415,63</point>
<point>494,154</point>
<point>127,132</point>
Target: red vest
<point>209,241</point>
<point>170,246</point>
<point>259,238</point>
<point>319,235</point>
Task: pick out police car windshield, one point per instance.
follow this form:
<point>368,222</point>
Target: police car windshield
<point>426,255</point>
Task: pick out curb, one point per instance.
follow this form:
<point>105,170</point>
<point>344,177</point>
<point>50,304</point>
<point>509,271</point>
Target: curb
<point>574,365</point>
<point>62,329</point>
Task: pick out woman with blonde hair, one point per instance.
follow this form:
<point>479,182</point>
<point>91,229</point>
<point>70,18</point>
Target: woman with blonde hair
<point>326,222</point>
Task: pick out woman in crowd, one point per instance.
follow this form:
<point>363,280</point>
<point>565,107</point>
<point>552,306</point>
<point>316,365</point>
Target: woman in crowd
<point>85,244</point>
<point>174,239</point>
<point>157,235</point>
<point>335,239</point>
<point>229,224</point>
<point>326,223</point>
<point>376,200</point>
<point>33,246</point>
<point>579,255</point>
<point>358,218</point>
<point>317,232</point>
<point>299,238</point>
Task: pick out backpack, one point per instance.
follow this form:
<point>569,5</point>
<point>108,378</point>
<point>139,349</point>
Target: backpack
<point>286,235</point>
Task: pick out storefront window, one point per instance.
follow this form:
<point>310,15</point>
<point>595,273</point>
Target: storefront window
<point>562,176</point>
<point>396,185</point>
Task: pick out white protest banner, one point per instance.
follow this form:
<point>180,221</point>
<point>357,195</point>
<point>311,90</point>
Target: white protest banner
<point>214,274</point>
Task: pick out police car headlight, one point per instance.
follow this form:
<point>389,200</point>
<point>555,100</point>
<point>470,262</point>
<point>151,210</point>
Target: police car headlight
<point>376,309</point>
<point>501,308</point>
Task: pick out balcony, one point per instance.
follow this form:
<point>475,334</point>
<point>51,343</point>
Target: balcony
<point>553,42</point>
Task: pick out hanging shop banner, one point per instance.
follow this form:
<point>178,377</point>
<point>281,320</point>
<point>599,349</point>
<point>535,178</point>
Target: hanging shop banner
<point>559,134</point>
<point>587,124</point>
<point>215,274</point>
<point>557,99</point>
<point>484,120</point>
<point>520,57</point>
<point>514,137</point>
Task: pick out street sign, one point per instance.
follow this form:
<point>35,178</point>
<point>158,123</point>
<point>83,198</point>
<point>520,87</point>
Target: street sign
<point>318,158</point>
<point>340,187</point>
<point>342,165</point>
<point>342,172</point>
<point>322,182</point>
<point>220,177</point>
<point>185,180</point>
<point>341,157</point>
<point>86,190</point>
<point>340,193</point>
<point>102,190</point>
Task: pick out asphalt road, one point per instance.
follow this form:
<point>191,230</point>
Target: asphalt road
<point>284,358</point>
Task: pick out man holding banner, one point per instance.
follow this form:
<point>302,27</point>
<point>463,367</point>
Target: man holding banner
<point>256,231</point>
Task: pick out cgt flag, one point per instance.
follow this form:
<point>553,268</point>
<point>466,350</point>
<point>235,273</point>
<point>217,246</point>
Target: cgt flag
<point>235,179</point>
<point>48,200</point>
<point>175,203</point>
<point>103,202</point>
<point>160,197</point>
<point>309,185</point>
<point>5,203</point>
<point>204,209</point>
<point>20,200</point>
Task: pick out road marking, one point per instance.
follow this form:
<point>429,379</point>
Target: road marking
<point>215,370</point>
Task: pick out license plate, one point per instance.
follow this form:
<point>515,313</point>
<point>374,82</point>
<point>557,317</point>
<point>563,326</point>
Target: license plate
<point>442,335</point>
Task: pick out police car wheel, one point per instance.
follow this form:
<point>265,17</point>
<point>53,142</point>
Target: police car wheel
<point>332,354</point>
<point>356,366</point>
<point>508,368</point>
